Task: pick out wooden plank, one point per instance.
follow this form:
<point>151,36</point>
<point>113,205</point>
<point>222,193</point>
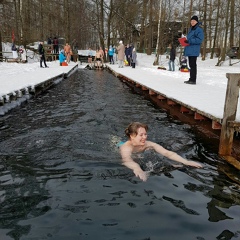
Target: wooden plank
<point>184,110</point>
<point>160,97</point>
<point>171,103</point>
<point>216,125</point>
<point>233,161</point>
<point>198,116</point>
<point>230,110</point>
<point>234,125</point>
<point>151,92</point>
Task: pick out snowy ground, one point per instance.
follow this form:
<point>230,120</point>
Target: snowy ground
<point>207,96</point>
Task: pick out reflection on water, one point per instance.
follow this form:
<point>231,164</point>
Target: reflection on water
<point>61,176</point>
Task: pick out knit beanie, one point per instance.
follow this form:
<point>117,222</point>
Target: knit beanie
<point>194,18</point>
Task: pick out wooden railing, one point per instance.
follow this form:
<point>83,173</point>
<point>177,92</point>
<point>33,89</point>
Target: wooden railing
<point>229,124</point>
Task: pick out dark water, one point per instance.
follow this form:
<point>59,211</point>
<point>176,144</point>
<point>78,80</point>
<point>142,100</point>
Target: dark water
<point>61,176</point>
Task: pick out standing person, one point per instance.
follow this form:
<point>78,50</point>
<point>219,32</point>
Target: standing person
<point>134,58</point>
<point>90,55</point>
<point>74,45</point>
<point>55,45</point>
<point>74,50</point>
<point>62,57</point>
<point>137,142</point>
<point>121,54</point>
<point>41,52</point>
<point>23,53</point>
<point>98,59</point>
<point>114,54</point>
<point>195,37</point>
<point>128,53</point>
<point>110,54</point>
<point>102,53</point>
<point>14,51</point>
<point>67,51</point>
<point>172,58</point>
<point>49,41</point>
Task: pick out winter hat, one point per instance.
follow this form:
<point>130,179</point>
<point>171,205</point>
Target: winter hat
<point>120,42</point>
<point>194,18</point>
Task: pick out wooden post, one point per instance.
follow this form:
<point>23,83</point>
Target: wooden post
<point>230,109</point>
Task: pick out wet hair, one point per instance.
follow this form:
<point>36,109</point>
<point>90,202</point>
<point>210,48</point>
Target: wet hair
<point>133,127</point>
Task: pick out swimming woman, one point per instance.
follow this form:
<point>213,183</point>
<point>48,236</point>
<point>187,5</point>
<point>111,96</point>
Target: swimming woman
<point>137,142</point>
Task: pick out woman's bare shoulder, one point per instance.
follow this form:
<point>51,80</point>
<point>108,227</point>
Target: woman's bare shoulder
<point>150,144</point>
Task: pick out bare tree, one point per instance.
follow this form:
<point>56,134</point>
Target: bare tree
<point>204,30</point>
<point>224,45</point>
<point>156,60</point>
<point>231,37</point>
<point>216,28</point>
<point>101,22</point>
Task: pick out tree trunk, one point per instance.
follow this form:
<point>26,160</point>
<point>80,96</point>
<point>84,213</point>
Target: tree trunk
<point>205,31</point>
<point>223,50</point>
<point>231,38</point>
<point>149,51</point>
<point>143,26</point>
<point>102,27</point>
<point>216,30</point>
<point>66,20</point>
<point>109,23</point>
<point>156,61</point>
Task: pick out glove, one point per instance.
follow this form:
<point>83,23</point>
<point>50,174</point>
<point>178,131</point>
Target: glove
<point>186,41</point>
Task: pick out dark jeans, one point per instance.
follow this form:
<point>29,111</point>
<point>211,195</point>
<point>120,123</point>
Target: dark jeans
<point>193,68</point>
<point>55,49</point>
<point>111,59</point>
<point>129,60</point>
<point>42,59</point>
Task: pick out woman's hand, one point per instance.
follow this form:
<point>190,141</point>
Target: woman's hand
<point>194,164</point>
<point>141,174</point>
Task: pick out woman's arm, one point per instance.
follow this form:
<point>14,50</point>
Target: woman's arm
<point>127,160</point>
<point>136,170</point>
<point>173,156</point>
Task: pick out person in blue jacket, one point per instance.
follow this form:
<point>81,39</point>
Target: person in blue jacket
<point>110,54</point>
<point>195,37</point>
<point>62,57</point>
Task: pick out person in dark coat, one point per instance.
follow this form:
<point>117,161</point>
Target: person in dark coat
<point>128,54</point>
<point>55,45</point>
<point>41,52</point>
<point>172,58</point>
<point>134,57</point>
<point>195,37</point>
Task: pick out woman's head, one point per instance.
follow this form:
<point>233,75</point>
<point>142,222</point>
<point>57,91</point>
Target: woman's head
<point>132,129</point>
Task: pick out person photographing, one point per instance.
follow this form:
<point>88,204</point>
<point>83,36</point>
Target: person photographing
<point>194,40</point>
